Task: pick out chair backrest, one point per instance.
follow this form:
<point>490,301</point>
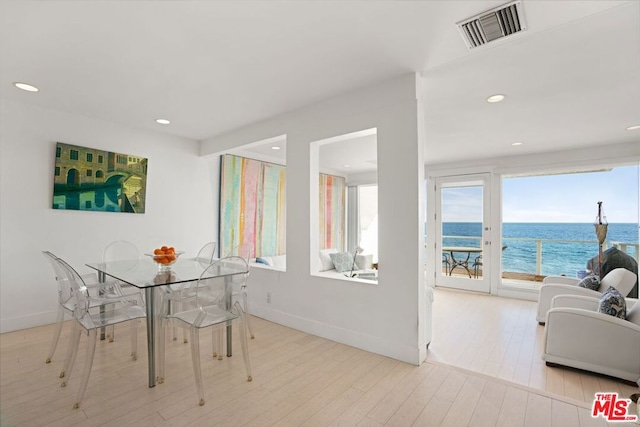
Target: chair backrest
<point>79,302</point>
<point>206,254</point>
<point>244,250</point>
<point>560,280</point>
<point>621,279</point>
<point>216,283</point>
<point>126,253</point>
<point>64,287</point>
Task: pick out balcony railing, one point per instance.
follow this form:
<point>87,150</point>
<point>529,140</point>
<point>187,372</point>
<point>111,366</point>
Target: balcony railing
<point>544,257</point>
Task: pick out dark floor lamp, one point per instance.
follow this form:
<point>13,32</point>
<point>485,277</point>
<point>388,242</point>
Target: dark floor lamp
<point>600,225</point>
<point>353,265</point>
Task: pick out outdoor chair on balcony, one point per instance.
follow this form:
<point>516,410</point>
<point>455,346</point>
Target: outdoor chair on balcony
<point>446,263</point>
<point>477,264</point>
<point>621,279</point>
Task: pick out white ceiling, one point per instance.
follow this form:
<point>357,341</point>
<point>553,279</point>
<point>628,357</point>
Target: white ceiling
<point>572,78</point>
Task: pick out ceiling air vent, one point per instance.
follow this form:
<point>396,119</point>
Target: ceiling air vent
<point>493,24</point>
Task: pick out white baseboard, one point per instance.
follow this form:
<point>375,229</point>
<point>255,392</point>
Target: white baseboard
<point>514,292</point>
<point>27,321</point>
<point>404,353</point>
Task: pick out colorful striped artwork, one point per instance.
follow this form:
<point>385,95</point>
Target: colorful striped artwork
<point>253,208</point>
<point>332,211</point>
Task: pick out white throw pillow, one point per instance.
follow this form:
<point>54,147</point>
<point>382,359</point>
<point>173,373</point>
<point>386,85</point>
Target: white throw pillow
<point>325,259</point>
<point>364,262</point>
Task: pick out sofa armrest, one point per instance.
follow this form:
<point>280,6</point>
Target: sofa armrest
<point>582,317</point>
<point>561,280</point>
<point>575,301</point>
<point>593,341</point>
<point>548,291</point>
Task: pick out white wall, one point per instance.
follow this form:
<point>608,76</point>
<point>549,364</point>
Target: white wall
<point>387,318</point>
<point>181,204</point>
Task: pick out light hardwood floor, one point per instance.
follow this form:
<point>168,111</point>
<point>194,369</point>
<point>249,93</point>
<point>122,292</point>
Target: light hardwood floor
<point>482,370</point>
<point>500,337</point>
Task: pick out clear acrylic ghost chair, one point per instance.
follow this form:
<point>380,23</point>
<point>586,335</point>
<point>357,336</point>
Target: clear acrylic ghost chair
<point>107,289</point>
<point>207,254</point>
<point>214,309</point>
<point>124,252</point>
<point>240,292</point>
<point>125,308</point>
<point>178,296</point>
<point>127,255</point>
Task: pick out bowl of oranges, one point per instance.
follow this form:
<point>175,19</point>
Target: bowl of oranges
<point>165,257</point>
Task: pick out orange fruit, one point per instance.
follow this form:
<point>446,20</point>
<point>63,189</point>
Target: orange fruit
<point>171,257</point>
<point>158,252</point>
<point>170,250</point>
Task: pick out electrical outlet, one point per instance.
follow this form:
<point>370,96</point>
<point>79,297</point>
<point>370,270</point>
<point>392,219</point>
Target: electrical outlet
<point>269,297</point>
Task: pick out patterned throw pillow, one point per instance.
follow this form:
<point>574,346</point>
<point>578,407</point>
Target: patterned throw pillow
<point>590,282</point>
<point>612,303</point>
<point>342,261</point>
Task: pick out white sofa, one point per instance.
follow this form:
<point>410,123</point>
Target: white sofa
<point>621,279</point>
<point>576,335</point>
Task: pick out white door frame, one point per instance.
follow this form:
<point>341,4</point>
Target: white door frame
<point>483,283</point>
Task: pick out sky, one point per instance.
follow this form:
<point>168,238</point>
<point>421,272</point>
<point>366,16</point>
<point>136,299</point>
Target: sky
<point>555,198</point>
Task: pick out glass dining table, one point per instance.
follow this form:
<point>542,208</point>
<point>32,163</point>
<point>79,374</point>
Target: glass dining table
<point>145,274</point>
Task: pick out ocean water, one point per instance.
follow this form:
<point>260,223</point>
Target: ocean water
<point>566,247</point>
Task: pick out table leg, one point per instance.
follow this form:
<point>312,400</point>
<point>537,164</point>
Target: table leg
<point>454,263</point>
<point>228,303</point>
<point>461,263</point>
<point>465,264</point>
<point>150,296</point>
<point>101,279</point>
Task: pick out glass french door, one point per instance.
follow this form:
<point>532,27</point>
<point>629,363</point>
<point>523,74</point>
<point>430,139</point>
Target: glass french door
<point>463,232</point>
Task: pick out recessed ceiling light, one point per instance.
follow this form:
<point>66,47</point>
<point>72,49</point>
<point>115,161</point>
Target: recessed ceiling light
<point>346,166</point>
<point>516,143</point>
<point>163,121</point>
<point>26,86</point>
<point>275,147</point>
<point>495,98</point>
<point>636,127</point>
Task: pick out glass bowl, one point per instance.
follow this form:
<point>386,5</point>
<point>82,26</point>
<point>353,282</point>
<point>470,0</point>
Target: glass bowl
<point>165,261</point>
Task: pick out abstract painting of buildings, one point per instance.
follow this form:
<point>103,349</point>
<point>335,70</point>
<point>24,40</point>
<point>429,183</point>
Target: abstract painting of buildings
<point>91,179</point>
